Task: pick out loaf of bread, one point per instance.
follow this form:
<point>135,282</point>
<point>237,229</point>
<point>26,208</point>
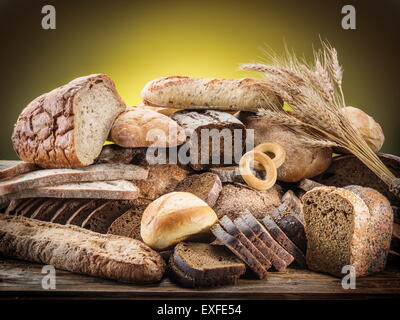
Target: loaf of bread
<point>138,127</point>
<point>174,217</point>
<point>78,250</point>
<point>67,127</point>
<point>347,226</point>
<point>219,94</point>
<point>301,161</point>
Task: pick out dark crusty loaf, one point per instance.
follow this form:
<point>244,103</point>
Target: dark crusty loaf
<point>11,168</point>
<point>206,186</point>
<point>240,250</point>
<point>80,215</point>
<point>281,238</point>
<point>66,127</point>
<point>78,250</point>
<point>236,198</point>
<point>200,126</point>
<point>347,226</point>
<point>66,210</point>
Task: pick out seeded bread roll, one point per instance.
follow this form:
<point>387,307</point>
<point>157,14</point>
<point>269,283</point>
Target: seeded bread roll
<point>67,127</point>
<point>174,217</point>
<point>347,226</point>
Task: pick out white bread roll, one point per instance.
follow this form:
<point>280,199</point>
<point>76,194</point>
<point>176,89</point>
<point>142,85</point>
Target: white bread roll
<point>175,217</point>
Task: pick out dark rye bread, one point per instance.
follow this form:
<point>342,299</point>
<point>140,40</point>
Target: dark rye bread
<point>239,250</point>
<point>80,215</point>
<point>11,168</point>
<point>31,208</point>
<point>46,211</point>
<point>256,251</point>
<point>237,198</point>
<point>62,215</point>
<point>23,205</point>
<point>202,261</point>
<point>102,217</point>
<point>348,170</point>
<point>128,224</point>
<point>269,241</point>
<point>271,256</point>
<point>116,154</point>
<point>13,206</point>
<point>221,146</point>
<point>281,238</point>
<point>207,186</point>
<point>183,279</point>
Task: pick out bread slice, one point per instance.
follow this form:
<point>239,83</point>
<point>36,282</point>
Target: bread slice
<point>80,215</point>
<point>206,186</point>
<point>31,208</point>
<point>78,250</point>
<point>101,218</point>
<point>67,127</point>
<point>68,208</point>
<point>14,205</point>
<point>11,168</point>
<point>281,238</point>
<point>202,261</point>
<point>347,226</point>
<point>239,250</point>
<point>51,177</point>
<point>115,154</point>
<point>46,211</point>
<point>111,190</point>
<point>269,241</point>
<point>25,204</point>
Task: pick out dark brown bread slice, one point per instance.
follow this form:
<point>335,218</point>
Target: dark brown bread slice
<point>291,225</point>
<point>202,261</point>
<point>277,262</point>
<point>284,241</point>
<point>26,203</point>
<point>62,215</point>
<point>80,215</point>
<point>265,236</point>
<point>11,168</point>
<point>187,281</point>
<point>102,217</point>
<point>46,211</point>
<point>228,174</point>
<point>31,208</point>
<point>128,224</point>
<point>234,231</point>
<point>239,250</point>
<point>116,154</point>
<point>206,186</point>
<point>14,205</point>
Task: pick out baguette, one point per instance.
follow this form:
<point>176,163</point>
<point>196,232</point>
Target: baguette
<point>199,93</point>
<point>78,250</point>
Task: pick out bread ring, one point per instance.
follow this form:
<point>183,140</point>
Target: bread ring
<point>276,149</point>
<point>265,162</point>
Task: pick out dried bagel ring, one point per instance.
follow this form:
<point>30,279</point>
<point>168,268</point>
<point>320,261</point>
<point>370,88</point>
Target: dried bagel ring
<point>276,149</point>
<point>265,162</point>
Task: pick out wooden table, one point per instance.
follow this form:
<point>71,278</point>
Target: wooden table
<point>23,280</point>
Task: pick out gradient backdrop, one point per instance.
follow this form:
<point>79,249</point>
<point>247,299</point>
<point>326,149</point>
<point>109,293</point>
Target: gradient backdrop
<point>136,41</point>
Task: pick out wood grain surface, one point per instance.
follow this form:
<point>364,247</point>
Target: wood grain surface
<point>19,279</point>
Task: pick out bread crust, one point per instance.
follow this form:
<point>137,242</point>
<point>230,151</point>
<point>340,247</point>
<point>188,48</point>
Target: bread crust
<point>44,131</point>
<point>78,250</point>
<point>12,168</point>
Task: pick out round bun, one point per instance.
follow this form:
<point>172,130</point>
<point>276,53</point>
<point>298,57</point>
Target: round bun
<point>175,217</point>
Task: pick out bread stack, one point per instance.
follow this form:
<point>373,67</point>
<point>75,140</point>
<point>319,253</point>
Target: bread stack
<point>146,195</point>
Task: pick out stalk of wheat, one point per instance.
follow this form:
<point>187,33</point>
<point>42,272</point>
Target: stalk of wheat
<point>314,92</point>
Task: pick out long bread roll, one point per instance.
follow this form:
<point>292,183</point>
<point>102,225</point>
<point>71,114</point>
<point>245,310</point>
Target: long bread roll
<point>202,93</point>
<point>78,250</point>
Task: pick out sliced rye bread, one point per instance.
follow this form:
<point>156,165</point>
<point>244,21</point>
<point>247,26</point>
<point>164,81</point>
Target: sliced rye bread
<point>13,206</point>
<point>102,217</point>
<point>28,211</point>
<point>62,215</point>
<point>202,260</point>
<point>295,203</point>
<point>12,168</point>
<point>277,262</point>
<point>207,186</point>
<point>183,279</point>
<point>265,236</point>
<point>281,238</point>
<point>23,205</point>
<point>234,231</point>
<point>239,250</point>
<point>46,211</point>
<point>80,215</point>
<point>291,225</point>
<point>128,224</point>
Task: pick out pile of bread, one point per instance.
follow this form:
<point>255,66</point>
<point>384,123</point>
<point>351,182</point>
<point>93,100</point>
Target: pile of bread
<point>101,209</point>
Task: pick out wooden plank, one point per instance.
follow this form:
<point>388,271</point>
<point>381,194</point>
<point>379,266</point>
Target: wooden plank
<point>23,279</point>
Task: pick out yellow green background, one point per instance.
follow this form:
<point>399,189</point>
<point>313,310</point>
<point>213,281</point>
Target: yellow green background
<point>137,41</point>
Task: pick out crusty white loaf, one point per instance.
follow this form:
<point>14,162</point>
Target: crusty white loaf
<point>174,217</point>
